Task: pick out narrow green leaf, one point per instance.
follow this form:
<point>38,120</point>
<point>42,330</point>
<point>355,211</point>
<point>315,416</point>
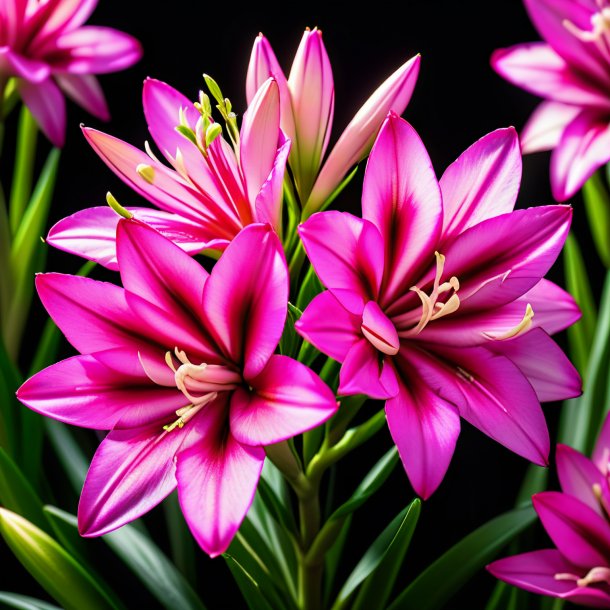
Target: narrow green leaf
<point>69,453</point>
<point>581,419</point>
<point>534,481</point>
<point>290,341</point>
<point>17,494</point>
<point>369,485</point>
<point>52,567</point>
<point>377,588</point>
<point>333,558</point>
<point>340,188</point>
<point>282,515</point>
<point>312,441</point>
<point>441,580</point>
<point>23,602</point>
<point>21,186</point>
<point>181,540</point>
<point>310,287</point>
<point>10,381</point>
<point>247,585</point>
<point>597,206</point>
<point>581,334</point>
<point>377,552</point>
<point>152,567</point>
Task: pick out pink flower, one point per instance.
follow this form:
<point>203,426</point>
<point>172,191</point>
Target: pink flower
<point>435,300</point>
<point>307,99</point>
<point>211,191</point>
<point>571,71</point>
<point>44,44</point>
<point>578,569</point>
<point>180,366</point>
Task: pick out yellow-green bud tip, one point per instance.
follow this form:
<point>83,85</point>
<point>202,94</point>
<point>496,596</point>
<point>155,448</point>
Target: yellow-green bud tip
<point>147,172</point>
<point>117,207</point>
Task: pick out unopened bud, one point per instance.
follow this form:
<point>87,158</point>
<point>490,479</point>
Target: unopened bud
<point>211,133</point>
<point>214,89</point>
<point>117,207</point>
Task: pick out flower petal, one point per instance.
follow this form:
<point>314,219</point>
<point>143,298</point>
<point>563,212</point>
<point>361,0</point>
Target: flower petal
<point>541,360</point>
<point>358,137</point>
<point>482,183</point>
<point>577,476</point>
<point>287,399</point>
<point>91,233</point>
<point>326,324</point>
<point>425,429</point>
<point>544,128</point>
<point>217,479</point>
<point>347,254</point>
<point>535,572</point>
<point>154,268</point>
<point>95,50</point>
<point>131,472</point>
<point>312,92</point>
<point>245,299</point>
<point>580,534</point>
<point>32,70</point>
<point>538,69</point>
<point>489,392</point>
<point>85,90</point>
<point>45,101</point>
<point>366,371</point>
<point>264,64</point>
<point>583,148</point>
<point>259,135</point>
<point>66,14</point>
<point>82,391</point>
<point>402,198</point>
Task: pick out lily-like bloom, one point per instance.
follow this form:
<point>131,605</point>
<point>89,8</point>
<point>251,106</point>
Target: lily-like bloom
<point>307,98</point>
<point>211,191</point>
<point>571,71</point>
<point>435,300</point>
<point>44,45</point>
<point>180,366</point>
<point>578,523</point>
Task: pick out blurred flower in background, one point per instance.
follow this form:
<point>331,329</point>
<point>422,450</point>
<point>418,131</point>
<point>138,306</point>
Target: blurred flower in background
<point>44,45</point>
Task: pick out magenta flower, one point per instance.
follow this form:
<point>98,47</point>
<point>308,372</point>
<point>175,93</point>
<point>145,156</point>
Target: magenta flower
<point>180,366</point>
<point>211,191</point>
<point>435,300</point>
<point>571,71</point>
<point>46,47</point>
<point>577,521</point>
<point>307,99</point>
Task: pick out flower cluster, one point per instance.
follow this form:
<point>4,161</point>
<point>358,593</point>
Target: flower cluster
<point>435,298</point>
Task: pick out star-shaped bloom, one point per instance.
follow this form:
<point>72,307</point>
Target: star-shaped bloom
<point>436,301</point>
<point>180,366</point>
<point>46,47</point>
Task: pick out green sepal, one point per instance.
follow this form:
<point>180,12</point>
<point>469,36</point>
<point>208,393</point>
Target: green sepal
<point>52,567</point>
<point>442,579</point>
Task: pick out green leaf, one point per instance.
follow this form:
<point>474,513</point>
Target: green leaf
<point>332,559</point>
<point>582,418</point>
<point>280,512</point>
<point>21,186</point>
<point>581,334</point>
<point>377,588</point>
<point>23,602</point>
<point>182,543</point>
<point>369,485</point>
<point>441,580</point>
<point>65,529</point>
<point>69,453</point>
<point>52,567</point>
<point>398,532</point>
<point>597,206</point>
<point>10,381</point>
<point>247,585</point>
<point>17,494</point>
<point>291,341</point>
<point>310,287</point>
<point>152,567</point>
<point>534,481</point>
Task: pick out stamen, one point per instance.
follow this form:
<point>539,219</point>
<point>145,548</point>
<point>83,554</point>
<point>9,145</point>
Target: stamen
<point>147,172</point>
<point>187,413</point>
<point>520,329</point>
<point>149,151</point>
<point>595,575</point>
<point>431,308</point>
<point>600,25</point>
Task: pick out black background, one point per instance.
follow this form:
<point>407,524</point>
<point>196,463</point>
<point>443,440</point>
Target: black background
<point>457,100</point>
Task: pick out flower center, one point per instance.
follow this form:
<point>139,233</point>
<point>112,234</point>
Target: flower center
<point>433,305</point>
<point>200,384</point>
<point>593,576</point>
<point>600,25</point>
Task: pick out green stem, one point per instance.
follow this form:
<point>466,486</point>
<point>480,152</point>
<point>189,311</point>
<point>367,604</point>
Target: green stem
<point>310,574</point>
<point>296,263</point>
